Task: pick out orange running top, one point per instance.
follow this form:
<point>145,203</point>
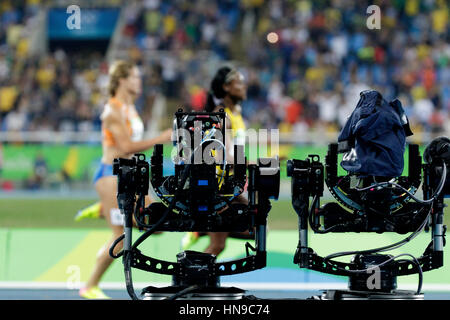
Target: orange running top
<point>132,120</point>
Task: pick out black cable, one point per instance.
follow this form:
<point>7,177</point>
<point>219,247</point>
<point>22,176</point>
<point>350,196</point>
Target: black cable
<point>152,228</point>
<point>127,257</point>
<point>389,247</point>
<point>113,246</point>
<point>416,262</point>
<point>169,209</point>
<point>381,249</point>
<point>395,245</point>
<point>316,228</point>
<point>122,236</point>
<point>128,276</point>
<point>313,225</point>
<point>128,254</point>
<point>427,201</point>
<point>183,292</point>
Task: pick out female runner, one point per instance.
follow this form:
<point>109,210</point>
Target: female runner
<point>122,132</point>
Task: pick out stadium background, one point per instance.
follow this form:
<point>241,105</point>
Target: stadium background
<point>304,79</point>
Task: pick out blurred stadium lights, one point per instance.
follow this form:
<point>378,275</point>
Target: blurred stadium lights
<point>295,93</point>
<point>272,37</point>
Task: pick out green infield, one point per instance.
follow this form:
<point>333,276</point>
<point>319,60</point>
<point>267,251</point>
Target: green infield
<point>59,213</point>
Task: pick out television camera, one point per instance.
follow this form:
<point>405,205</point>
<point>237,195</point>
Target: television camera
<point>372,204</point>
<point>202,195</point>
<point>373,197</point>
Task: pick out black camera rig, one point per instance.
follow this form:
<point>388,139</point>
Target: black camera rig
<point>200,196</point>
<point>372,204</point>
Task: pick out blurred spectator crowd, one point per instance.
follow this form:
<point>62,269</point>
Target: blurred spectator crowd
<point>305,61</point>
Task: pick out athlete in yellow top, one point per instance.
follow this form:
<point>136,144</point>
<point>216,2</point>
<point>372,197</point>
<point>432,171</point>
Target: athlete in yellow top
<point>228,90</point>
<point>122,133</point>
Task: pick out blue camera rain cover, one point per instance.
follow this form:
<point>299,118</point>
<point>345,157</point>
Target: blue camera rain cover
<point>376,132</point>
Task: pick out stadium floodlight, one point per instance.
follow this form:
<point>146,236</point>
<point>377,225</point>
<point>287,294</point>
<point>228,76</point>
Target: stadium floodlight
<point>373,203</point>
<point>198,197</point>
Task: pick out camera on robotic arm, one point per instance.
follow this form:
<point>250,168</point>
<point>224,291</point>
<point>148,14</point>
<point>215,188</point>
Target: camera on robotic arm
<point>373,197</point>
<point>203,195</point>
